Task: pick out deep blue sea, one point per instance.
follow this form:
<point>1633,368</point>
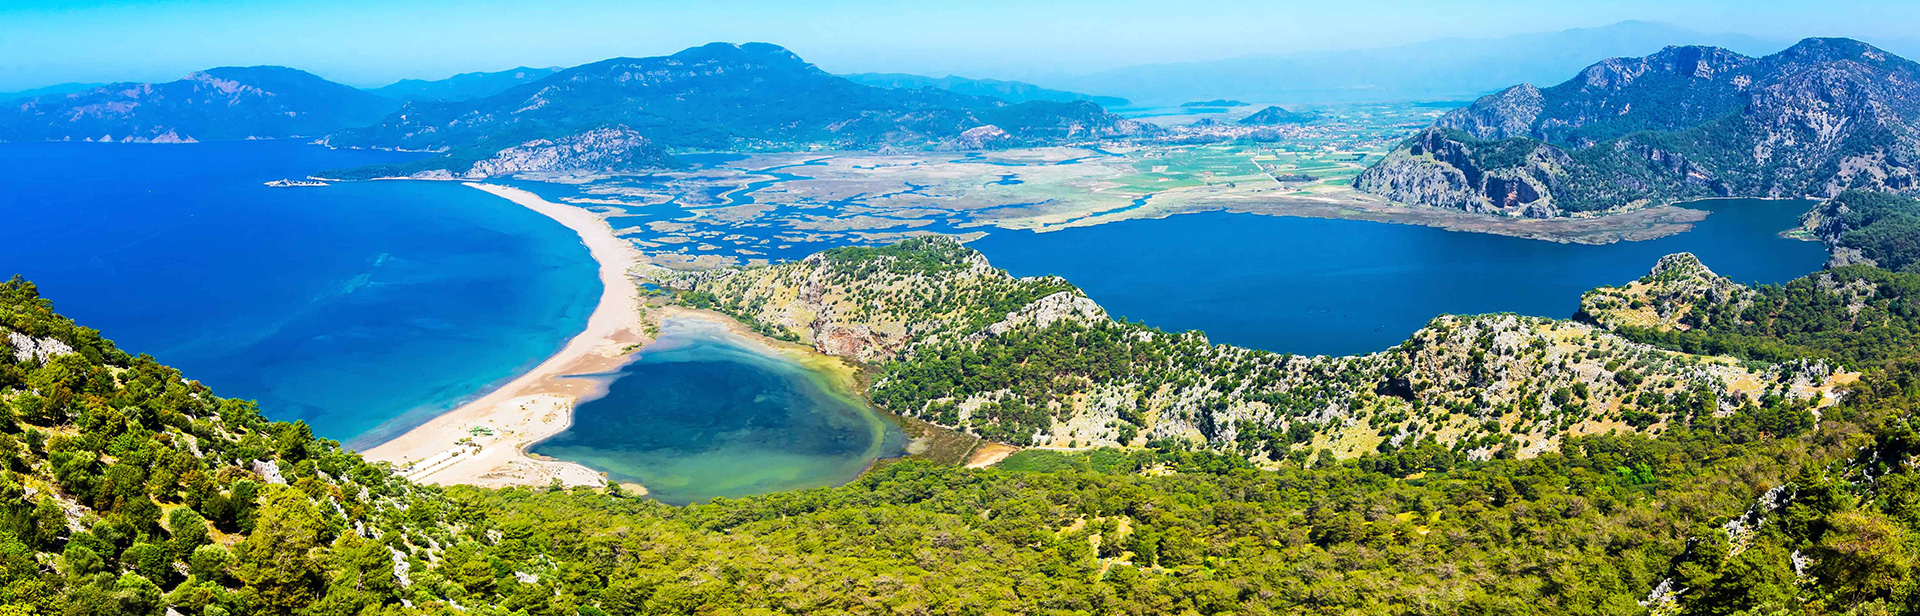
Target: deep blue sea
<point>362,308</point>
<point>1336,287</point>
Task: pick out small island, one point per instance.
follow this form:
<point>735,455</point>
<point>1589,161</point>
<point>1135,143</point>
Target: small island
<point>291,183</point>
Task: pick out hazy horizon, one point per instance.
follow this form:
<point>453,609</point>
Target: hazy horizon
<point>370,44</point>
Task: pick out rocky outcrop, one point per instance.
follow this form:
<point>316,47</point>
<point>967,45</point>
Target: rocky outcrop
<point>28,348</point>
<point>1059,307</point>
<point>1508,113</point>
<point>1447,169</point>
<point>1820,118</point>
<point>605,150</point>
<point>1678,292</point>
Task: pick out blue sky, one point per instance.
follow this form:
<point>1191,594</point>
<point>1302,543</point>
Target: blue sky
<point>367,42</point>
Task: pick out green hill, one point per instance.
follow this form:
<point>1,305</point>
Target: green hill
<point>720,96</point>
<point>130,490</point>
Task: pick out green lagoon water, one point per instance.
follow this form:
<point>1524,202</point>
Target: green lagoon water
<point>703,414</point>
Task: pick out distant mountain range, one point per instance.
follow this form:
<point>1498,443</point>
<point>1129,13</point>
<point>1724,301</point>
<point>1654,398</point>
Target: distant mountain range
<point>464,86</point>
<point>1010,91</point>
<point>717,96</point>
<point>64,88</point>
<point>1444,69</point>
<point>219,103</point>
<point>1816,119</point>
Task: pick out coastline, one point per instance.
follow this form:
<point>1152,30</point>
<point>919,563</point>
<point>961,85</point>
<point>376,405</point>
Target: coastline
<point>484,441</point>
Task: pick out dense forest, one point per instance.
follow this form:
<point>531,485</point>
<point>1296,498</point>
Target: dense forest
<point>131,490</point>
<point>1881,228</point>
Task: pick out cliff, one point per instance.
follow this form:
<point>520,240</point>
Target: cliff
<point>1820,118</point>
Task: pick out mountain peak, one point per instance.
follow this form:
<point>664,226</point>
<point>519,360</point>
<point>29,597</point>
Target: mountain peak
<point>1686,122</point>
<point>722,51</point>
<point>1820,50</point>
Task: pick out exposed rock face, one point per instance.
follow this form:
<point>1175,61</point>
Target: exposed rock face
<point>1508,113</point>
<point>1447,169</point>
<point>1817,119</point>
<point>220,103</point>
<point>603,150</point>
<point>1056,308</point>
<point>28,348</point>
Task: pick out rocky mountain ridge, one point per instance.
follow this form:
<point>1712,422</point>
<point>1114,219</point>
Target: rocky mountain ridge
<point>721,96</point>
<point>259,102</point>
<point>1010,91</point>
<point>1814,120</point>
<point>464,86</point>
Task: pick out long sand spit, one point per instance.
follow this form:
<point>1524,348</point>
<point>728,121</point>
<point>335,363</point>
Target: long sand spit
<point>484,441</point>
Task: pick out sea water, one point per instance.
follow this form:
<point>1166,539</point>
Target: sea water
<point>361,308</point>
<point>703,413</point>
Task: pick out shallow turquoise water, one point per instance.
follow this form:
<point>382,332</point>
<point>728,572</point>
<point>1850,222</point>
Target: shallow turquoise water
<point>1339,287</point>
<point>702,415</point>
<point>361,308</point>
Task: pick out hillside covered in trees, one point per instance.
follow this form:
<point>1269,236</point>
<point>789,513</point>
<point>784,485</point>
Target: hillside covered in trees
<point>1035,362</point>
<point>133,491</point>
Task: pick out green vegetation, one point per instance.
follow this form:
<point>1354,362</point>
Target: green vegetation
<point>1882,227</point>
<point>959,344</point>
<point>1856,315</point>
<point>131,491</point>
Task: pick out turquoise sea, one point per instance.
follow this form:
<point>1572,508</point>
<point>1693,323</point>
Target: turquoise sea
<point>702,415</point>
<point>361,308</point>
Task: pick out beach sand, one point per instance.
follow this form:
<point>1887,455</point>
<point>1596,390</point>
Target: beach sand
<point>484,442</point>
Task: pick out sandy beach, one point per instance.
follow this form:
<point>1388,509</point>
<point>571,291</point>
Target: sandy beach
<point>484,441</point>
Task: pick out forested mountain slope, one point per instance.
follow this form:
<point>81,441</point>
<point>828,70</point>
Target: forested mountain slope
<point>1035,362</point>
<point>720,96</point>
<point>136,492</point>
<point>1817,119</point>
<point>254,102</point>
<point>464,86</point>
<point>1010,91</point>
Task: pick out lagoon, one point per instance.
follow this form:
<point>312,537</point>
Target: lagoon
<point>703,413</point>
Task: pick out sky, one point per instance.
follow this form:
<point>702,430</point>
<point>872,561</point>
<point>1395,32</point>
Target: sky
<point>374,42</point>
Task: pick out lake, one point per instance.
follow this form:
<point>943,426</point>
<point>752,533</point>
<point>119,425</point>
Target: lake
<point>1338,287</point>
<point>361,308</point>
<point>704,414</point>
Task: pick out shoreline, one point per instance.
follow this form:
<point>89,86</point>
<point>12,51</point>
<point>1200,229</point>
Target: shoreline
<point>483,442</point>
